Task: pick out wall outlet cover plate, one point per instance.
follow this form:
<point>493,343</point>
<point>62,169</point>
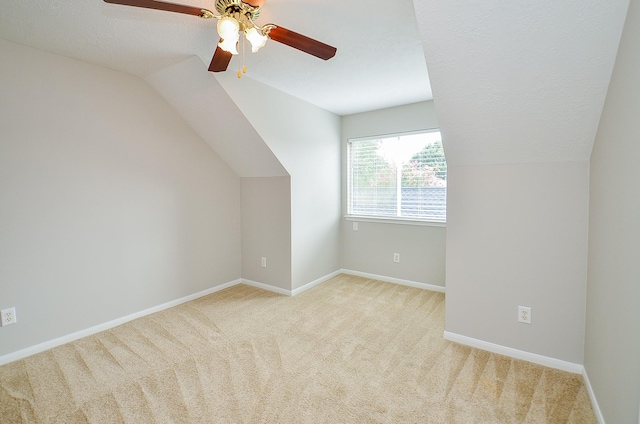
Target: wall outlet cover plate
<point>7,316</point>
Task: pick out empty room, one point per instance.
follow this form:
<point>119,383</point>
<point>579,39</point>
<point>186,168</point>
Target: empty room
<point>227,211</point>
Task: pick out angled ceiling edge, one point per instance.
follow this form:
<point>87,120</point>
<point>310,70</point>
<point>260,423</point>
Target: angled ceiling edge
<point>520,82</point>
<point>199,98</point>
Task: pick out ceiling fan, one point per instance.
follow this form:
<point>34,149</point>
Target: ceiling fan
<point>236,17</point>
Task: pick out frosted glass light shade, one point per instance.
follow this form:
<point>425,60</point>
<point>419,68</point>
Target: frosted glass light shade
<point>227,27</point>
<point>256,39</point>
<point>229,45</point>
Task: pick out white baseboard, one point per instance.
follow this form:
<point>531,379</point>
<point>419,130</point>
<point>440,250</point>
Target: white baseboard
<point>267,287</point>
<point>290,292</point>
<point>515,353</point>
<point>315,282</point>
<point>592,396</point>
<point>469,341</point>
<point>400,281</point>
<point>536,359</point>
<point>41,347</point>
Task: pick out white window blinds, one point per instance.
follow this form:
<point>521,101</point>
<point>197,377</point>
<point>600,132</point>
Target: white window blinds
<point>401,176</point>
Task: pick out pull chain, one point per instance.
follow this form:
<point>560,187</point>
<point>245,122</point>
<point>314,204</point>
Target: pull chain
<point>244,67</point>
<point>239,64</point>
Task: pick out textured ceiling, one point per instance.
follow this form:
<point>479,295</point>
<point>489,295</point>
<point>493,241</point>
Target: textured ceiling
<point>380,61</point>
<point>519,81</point>
<point>514,82</point>
<point>194,94</point>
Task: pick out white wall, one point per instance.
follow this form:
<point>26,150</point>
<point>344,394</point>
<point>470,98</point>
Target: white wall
<point>517,236</point>
<point>519,88</point>
<point>197,96</point>
<point>521,81</point>
<point>266,230</point>
<point>110,203</point>
<point>370,249</point>
<point>306,141</point>
<point>612,348</point>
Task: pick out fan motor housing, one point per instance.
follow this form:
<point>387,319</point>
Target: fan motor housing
<point>225,6</point>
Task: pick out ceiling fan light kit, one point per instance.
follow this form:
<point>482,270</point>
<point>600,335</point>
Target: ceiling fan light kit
<point>236,17</point>
<point>257,39</point>
<point>228,30</point>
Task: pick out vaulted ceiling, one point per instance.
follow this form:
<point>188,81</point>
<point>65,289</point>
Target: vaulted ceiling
<point>513,82</point>
<point>379,63</point>
<point>519,81</point>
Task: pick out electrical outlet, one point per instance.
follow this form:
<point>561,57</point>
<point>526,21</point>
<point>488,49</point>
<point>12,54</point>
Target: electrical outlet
<point>355,226</point>
<point>264,262</point>
<point>396,257</point>
<point>7,316</point>
<point>524,314</point>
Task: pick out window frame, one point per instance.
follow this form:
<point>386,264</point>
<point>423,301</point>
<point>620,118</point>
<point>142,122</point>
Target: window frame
<point>386,219</point>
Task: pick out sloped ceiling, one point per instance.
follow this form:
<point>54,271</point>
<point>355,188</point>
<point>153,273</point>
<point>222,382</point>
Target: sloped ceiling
<point>379,63</point>
<point>514,82</point>
<point>197,96</point>
<point>519,81</point>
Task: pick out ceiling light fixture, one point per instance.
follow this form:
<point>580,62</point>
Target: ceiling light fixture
<point>237,17</point>
<point>256,38</point>
<point>228,30</point>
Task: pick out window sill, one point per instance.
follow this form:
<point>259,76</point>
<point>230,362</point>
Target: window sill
<point>398,220</point>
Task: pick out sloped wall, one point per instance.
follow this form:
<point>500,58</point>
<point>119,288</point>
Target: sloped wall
<point>202,101</point>
<point>519,82</point>
<point>612,348</point>
<point>264,133</point>
<point>306,140</point>
<point>111,204</point>
<point>518,89</point>
<point>197,96</point>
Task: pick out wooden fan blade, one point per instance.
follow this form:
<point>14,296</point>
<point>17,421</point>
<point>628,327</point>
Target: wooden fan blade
<point>302,43</point>
<point>220,60</point>
<point>160,5</point>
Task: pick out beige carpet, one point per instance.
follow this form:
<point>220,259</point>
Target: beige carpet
<point>350,350</point>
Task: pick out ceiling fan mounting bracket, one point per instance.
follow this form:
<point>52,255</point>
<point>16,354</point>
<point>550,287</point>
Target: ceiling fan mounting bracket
<point>225,7</point>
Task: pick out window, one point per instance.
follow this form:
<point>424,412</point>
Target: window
<point>402,176</point>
